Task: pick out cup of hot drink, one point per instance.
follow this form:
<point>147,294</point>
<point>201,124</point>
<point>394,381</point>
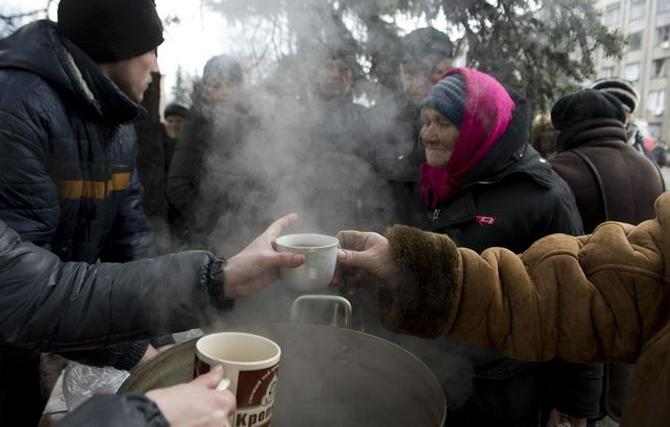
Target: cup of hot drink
<point>250,363</point>
<point>320,253</point>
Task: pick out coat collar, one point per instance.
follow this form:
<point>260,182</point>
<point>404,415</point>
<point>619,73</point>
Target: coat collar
<point>589,131</point>
<point>39,49</point>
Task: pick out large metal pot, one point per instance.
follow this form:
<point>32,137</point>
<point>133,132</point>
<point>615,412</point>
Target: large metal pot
<point>328,376</point>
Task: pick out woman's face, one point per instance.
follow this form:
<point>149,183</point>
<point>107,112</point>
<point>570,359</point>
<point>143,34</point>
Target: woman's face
<point>438,136</point>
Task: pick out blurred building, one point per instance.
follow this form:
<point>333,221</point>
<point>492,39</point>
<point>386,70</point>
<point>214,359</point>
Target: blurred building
<point>646,60</point>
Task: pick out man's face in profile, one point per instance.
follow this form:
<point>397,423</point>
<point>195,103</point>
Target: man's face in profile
<point>335,78</point>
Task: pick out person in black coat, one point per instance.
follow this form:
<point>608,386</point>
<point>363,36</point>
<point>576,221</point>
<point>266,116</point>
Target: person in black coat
<point>209,167</point>
<point>484,185</point>
<point>393,122</point>
<point>50,305</point>
<point>68,178</point>
<point>175,116</point>
<point>610,179</point>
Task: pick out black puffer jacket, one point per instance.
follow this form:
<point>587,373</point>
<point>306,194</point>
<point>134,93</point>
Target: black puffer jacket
<point>49,305</point>
<point>67,177</point>
<point>67,169</point>
<point>511,199</point>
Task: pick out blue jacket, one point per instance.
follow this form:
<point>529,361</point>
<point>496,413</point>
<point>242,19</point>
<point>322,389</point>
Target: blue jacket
<point>67,168</point>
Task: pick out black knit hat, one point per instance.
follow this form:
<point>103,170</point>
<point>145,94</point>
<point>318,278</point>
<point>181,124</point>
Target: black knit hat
<point>587,104</point>
<point>621,89</point>
<point>111,30</point>
<point>175,109</point>
<point>427,46</point>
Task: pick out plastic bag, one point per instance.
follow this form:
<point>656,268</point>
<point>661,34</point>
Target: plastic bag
<point>81,382</point>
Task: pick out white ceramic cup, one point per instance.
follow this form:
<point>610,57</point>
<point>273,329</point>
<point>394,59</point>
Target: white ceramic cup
<point>320,253</point>
<point>250,363</point>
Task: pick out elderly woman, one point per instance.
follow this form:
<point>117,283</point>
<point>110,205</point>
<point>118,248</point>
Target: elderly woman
<point>483,185</point>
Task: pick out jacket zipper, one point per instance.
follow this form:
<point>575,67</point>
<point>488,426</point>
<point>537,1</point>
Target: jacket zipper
<point>436,214</point>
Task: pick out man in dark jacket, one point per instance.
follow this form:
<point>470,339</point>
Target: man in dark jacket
<point>209,167</point>
<point>333,142</point>
<point>50,305</point>
<point>175,116</point>
<point>611,181</point>
<point>67,173</point>
<point>394,124</point>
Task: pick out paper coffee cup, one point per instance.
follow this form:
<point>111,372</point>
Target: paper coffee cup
<point>320,252</point>
<point>250,364</point>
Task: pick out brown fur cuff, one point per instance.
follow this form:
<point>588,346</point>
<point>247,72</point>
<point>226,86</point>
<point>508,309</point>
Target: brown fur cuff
<point>426,287</point>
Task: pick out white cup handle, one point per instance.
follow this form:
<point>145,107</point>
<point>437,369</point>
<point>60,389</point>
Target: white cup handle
<point>223,385</point>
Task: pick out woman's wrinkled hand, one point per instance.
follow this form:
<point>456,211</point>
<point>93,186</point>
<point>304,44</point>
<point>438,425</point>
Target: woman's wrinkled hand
<point>367,250</point>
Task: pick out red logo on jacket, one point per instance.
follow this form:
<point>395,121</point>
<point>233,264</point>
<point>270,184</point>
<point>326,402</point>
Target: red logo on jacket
<point>485,220</point>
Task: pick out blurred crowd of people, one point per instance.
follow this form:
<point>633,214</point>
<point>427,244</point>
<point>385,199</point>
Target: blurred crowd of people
<point>93,172</point>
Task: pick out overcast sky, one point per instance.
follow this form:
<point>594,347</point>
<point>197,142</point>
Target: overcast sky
<point>200,34</point>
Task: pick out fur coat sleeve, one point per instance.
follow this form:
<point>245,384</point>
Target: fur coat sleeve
<point>584,299</point>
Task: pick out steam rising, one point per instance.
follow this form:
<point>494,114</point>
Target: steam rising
<point>329,162</point>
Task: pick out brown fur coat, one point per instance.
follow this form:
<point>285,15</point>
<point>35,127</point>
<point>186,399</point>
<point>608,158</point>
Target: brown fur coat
<point>600,297</point>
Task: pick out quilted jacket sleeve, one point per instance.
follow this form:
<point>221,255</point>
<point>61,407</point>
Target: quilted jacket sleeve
<point>583,299</point>
<point>28,196</point>
<point>48,305</point>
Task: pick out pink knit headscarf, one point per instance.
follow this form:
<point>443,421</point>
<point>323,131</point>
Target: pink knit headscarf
<point>488,113</point>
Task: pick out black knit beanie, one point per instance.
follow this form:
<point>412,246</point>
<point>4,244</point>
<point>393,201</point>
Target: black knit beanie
<point>175,109</point>
<point>587,104</point>
<point>111,30</point>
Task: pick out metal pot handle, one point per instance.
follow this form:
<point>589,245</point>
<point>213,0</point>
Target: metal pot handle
<point>338,301</point>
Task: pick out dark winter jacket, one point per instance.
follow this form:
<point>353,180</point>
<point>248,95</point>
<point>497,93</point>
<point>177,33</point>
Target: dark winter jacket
<point>511,199</point>
<point>127,410</point>
<point>393,146</point>
<point>49,305</point>
<point>204,155</point>
<point>67,173</point>
<point>609,178</point>
<point>336,125</point>
<point>67,169</point>
<point>151,155</point>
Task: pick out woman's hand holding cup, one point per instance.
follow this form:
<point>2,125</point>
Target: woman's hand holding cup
<point>367,250</point>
